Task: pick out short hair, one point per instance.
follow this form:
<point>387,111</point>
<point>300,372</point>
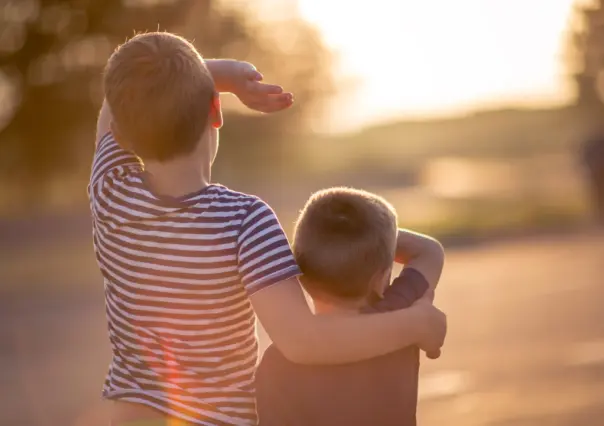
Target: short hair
<point>160,94</point>
<point>342,239</point>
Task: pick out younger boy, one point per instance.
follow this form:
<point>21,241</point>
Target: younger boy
<point>345,244</point>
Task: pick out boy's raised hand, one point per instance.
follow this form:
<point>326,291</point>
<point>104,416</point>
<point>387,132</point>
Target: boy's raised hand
<point>244,81</point>
<point>259,96</point>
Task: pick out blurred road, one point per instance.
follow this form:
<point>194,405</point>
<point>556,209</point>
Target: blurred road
<point>525,347</point>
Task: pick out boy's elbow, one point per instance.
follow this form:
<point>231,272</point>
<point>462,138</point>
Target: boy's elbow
<point>434,256</point>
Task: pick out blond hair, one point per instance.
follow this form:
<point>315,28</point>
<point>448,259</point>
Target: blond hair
<point>343,238</point>
<point>160,94</point>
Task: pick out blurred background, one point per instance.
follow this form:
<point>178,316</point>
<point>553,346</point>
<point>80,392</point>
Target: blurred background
<point>481,121</point>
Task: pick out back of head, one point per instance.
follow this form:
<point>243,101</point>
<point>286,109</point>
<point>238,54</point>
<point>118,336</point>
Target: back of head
<point>160,94</point>
<point>343,239</point>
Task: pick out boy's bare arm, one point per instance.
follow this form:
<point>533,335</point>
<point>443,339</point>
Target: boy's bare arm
<point>334,339</point>
<point>424,259</point>
<point>103,124</point>
<point>243,80</point>
<point>422,253</point>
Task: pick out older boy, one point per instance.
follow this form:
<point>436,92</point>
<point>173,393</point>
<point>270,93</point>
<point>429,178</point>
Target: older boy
<point>345,244</point>
<point>188,264</point>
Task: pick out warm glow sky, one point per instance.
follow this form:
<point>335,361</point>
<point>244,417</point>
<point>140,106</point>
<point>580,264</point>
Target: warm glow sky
<point>434,57</point>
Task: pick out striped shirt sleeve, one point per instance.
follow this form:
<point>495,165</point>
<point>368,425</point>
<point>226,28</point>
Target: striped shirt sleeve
<point>109,156</point>
<point>264,254</point>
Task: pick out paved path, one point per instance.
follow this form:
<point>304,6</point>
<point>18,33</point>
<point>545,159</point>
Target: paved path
<point>526,343</point>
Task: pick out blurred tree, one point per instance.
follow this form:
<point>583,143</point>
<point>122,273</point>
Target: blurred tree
<point>585,57</point>
<point>52,53</point>
<point>586,62</point>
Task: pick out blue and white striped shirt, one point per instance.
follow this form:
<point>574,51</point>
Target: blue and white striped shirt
<point>178,274</point>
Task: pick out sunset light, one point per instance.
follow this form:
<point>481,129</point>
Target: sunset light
<point>426,58</point>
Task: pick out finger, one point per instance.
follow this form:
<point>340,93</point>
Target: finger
<point>251,72</point>
<point>284,98</point>
<point>259,88</point>
<point>255,75</point>
<point>272,103</point>
<point>280,102</point>
<point>433,354</point>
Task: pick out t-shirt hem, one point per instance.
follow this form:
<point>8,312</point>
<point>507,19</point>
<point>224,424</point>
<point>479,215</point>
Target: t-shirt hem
<point>169,408</point>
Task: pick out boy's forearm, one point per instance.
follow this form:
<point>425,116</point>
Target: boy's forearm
<point>335,339</point>
<point>219,70</point>
<point>410,245</point>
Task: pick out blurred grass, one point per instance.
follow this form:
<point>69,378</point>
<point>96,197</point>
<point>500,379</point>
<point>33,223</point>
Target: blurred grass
<point>496,134</point>
<point>478,219</point>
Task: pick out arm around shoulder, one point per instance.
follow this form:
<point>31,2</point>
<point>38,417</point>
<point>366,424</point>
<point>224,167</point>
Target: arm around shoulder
<point>269,273</point>
<point>335,339</point>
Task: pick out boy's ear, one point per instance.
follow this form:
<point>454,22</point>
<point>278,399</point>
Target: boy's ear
<point>216,112</point>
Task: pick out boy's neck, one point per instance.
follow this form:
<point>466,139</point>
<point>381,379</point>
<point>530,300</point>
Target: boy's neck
<point>178,177</point>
